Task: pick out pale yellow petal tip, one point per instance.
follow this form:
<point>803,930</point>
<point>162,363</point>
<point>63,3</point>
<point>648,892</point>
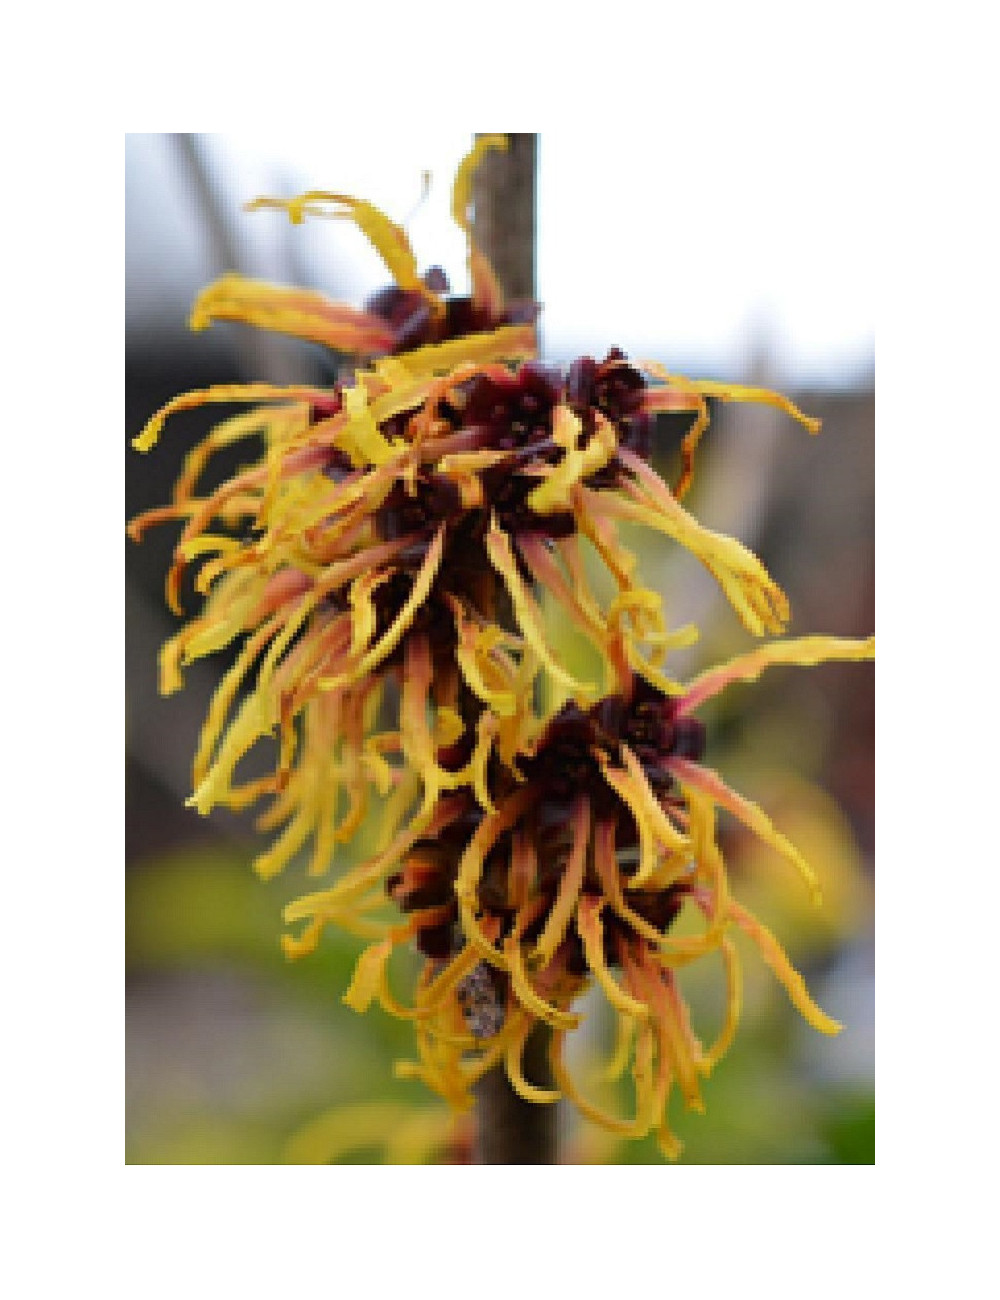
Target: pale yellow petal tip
<point>293,209</point>
<point>294,948</point>
<point>149,437</point>
<point>266,868</point>
<point>669,1146</point>
<point>200,319</point>
<point>170,678</point>
<point>201,803</point>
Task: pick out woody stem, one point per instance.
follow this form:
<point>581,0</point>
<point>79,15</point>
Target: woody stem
<point>510,1130</point>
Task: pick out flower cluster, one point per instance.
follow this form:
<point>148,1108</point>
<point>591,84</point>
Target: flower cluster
<point>381,569</point>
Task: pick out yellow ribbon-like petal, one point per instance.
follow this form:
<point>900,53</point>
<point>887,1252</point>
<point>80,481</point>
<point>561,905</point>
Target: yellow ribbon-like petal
<point>387,238</point>
<point>802,652</point>
<point>788,976</point>
<point>704,779</point>
<point>525,611</point>
<point>150,434</point>
<point>302,313</point>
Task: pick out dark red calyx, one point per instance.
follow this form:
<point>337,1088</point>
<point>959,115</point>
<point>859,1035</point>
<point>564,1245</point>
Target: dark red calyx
<point>415,322</point>
<point>436,500</point>
<point>514,408</point>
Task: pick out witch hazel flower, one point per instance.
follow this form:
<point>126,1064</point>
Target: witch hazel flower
<point>379,570</point>
<point>594,845</point>
<point>386,524</point>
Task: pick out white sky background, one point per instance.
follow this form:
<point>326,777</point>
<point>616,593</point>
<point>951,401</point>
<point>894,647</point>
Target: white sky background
<point>710,264</point>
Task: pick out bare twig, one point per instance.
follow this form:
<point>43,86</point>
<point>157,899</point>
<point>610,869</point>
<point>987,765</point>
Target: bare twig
<point>510,1130</point>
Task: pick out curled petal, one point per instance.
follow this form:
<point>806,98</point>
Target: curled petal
<point>367,976</point>
<point>588,924</point>
<point>570,884</point>
<point>673,400</point>
<point>481,673</point>
<point>150,434</point>
<point>418,594</point>
<point>363,613</point>
<point>637,1127</point>
<point>372,872</point>
<point>734,1003</point>
<point>606,867</point>
<point>624,785</point>
<point>359,435</point>
<point>655,828</point>
<point>420,745</point>
<point>371,974</point>
<point>248,424</point>
<point>387,238</point>
<point>302,313</point>
<point>513,1059</point>
<point>667,834</point>
<point>553,493</point>
<point>487,833</point>
<point>481,934</point>
<point>710,783</point>
<point>507,343</point>
<point>803,652</point>
<point>709,866</point>
<point>494,1051</point>
<point>256,718</point>
<point>624,1035</point>
<point>593,518</point>
<point>733,393</point>
<point>523,868</point>
<point>680,391</point>
<point>527,995</point>
<point>788,976</point>
<point>461,191</point>
<point>486,291</point>
<point>550,578</point>
<point>439,989</point>
<point>658,989</point>
<point>756,597</point>
<point>525,610</point>
<point>269,864</point>
<point>225,693</point>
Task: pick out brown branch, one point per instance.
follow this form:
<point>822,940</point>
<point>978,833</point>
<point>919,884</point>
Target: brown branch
<point>510,1130</point>
<point>503,193</point>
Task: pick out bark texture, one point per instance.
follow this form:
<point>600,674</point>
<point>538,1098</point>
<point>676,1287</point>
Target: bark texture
<point>509,1130</point>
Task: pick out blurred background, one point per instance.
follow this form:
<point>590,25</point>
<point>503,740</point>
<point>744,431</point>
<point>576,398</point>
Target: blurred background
<point>235,1056</point>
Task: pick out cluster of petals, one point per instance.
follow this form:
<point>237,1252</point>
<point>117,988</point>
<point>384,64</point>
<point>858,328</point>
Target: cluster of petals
<point>384,576</point>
